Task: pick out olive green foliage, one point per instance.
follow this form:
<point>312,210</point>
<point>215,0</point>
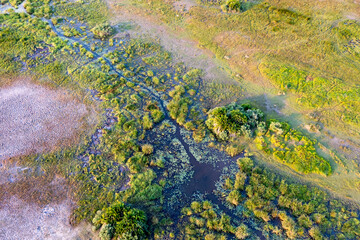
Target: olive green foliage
<point>114,164</point>
<point>147,149</point>
<point>237,5</point>
<point>193,79</point>
<point>201,219</point>
<point>39,8</point>
<point>316,92</point>
<point>15,2</point>
<point>242,232</point>
<point>292,148</point>
<point>277,138</point>
<point>93,14</point>
<point>102,31</point>
<point>301,210</point>
<point>179,105</point>
<point>117,169</point>
<point>316,38</point>
<point>120,222</point>
<point>21,41</point>
<point>234,120</point>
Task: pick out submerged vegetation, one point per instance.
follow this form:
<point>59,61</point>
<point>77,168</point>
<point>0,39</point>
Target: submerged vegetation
<point>287,209</point>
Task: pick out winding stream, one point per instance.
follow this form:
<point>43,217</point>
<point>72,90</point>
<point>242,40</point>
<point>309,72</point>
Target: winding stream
<point>205,174</point>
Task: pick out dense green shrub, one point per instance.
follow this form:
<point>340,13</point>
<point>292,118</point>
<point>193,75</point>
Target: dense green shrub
<point>179,105</point>
<point>242,232</point>
<point>147,149</point>
<point>237,5</point>
<point>234,120</point>
<point>15,2</point>
<point>287,145</point>
<point>120,221</point>
<point>204,222</point>
<point>292,148</point>
<point>301,210</point>
<point>102,31</point>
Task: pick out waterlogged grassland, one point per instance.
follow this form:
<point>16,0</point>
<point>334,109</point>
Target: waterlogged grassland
<point>154,115</point>
<point>115,163</point>
<point>328,98</point>
<point>319,40</point>
<point>284,208</point>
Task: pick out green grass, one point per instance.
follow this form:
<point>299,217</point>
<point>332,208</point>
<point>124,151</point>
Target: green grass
<point>301,210</point>
<point>233,122</point>
<point>94,13</point>
<point>333,97</point>
<point>201,220</point>
<point>99,180</point>
<point>316,39</point>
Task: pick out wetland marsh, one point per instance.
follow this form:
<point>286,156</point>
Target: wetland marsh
<point>107,132</point>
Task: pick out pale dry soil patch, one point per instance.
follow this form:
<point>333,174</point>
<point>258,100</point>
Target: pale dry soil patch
<point>22,220</point>
<point>34,119</point>
<point>35,205</point>
<point>184,5</point>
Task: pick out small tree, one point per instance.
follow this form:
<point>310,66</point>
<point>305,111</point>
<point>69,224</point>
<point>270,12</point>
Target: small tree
<point>106,232</point>
<point>121,222</point>
<point>147,149</point>
<point>242,232</point>
<point>102,31</point>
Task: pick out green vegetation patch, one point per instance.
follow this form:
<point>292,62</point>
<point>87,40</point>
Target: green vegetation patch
<point>201,220</point>
<point>120,221</point>
<point>102,31</point>
<point>316,92</point>
<point>292,148</point>
<point>287,145</point>
<point>235,120</point>
<point>288,210</point>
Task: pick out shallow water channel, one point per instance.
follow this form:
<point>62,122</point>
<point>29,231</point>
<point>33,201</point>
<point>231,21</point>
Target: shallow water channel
<point>18,9</point>
<point>205,174</point>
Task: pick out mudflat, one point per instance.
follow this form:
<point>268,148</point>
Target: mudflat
<point>34,119</point>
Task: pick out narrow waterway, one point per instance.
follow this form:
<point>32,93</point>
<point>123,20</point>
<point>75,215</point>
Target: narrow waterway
<point>205,175</point>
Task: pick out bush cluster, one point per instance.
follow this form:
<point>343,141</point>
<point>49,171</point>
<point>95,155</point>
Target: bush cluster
<point>234,120</point>
<point>102,31</point>
<point>287,145</point>
<point>120,222</point>
<point>301,210</point>
<point>201,221</point>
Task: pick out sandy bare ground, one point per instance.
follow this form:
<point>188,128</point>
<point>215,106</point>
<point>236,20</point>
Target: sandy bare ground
<point>22,220</point>
<point>36,206</point>
<point>34,119</point>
